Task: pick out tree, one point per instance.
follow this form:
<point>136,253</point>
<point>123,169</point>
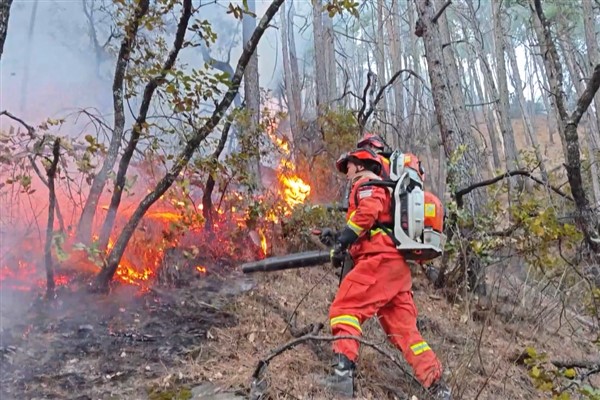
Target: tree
<point>252,99</point>
<point>586,219</point>
<point>86,220</point>
<point>510,148</point>
<point>4,15</point>
<point>196,138</point>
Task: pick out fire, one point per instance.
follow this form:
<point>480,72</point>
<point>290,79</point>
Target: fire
<point>294,190</point>
<point>201,269</point>
<point>263,242</point>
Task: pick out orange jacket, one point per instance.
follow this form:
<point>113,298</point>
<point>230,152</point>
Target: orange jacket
<point>367,206</point>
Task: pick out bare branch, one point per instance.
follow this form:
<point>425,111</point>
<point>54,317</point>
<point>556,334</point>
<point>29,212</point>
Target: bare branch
<point>586,98</point>
<point>30,129</point>
<point>462,192</point>
<point>37,171</point>
<point>438,14</point>
<point>362,122</point>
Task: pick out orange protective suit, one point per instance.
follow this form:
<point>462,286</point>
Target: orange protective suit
<point>380,284</point>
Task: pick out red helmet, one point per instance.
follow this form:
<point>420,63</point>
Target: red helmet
<point>371,139</point>
<point>365,157</point>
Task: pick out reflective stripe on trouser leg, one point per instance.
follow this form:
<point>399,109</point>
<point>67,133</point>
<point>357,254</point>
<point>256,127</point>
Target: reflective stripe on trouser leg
<point>419,348</point>
<point>349,320</point>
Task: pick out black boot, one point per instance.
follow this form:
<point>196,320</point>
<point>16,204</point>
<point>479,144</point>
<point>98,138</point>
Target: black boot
<point>341,380</point>
<point>440,391</point>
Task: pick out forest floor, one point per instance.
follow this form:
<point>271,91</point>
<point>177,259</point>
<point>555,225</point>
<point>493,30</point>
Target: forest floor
<point>163,343</point>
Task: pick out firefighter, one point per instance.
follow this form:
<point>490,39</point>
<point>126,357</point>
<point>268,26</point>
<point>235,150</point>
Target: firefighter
<point>376,144</point>
<point>380,283</point>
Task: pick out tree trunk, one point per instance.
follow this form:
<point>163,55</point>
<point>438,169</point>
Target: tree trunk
<point>86,221</point>
<point>51,173</point>
<point>396,51</point>
<point>381,109</point>
<point>510,148</point>
<point>4,16</point>
<point>488,110</point>
<point>417,89</point>
<point>320,71</point>
<point>586,219</point>
<point>295,78</point>
<point>292,97</point>
<point>328,37</point>
<point>252,99</point>
<point>450,110</point>
<point>197,137</point>
<point>591,41</point>
<point>529,130</point>
<point>577,80</point>
<point>138,127</point>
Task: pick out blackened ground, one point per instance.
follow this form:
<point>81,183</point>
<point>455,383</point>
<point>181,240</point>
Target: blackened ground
<point>83,346</point>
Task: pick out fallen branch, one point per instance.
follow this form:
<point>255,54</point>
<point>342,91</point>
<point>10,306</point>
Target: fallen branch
<point>584,364</point>
<point>458,195</point>
<point>262,364</point>
<point>51,173</point>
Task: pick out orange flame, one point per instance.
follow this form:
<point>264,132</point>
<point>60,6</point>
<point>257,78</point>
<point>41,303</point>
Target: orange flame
<point>294,190</point>
<point>201,269</point>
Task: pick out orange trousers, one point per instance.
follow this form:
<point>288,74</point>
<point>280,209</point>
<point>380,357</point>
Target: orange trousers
<point>381,285</point>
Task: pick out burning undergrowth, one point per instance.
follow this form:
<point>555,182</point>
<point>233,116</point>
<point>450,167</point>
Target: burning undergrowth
<point>173,244</point>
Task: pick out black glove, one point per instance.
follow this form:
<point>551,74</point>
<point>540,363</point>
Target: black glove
<point>347,237</point>
<point>328,236</point>
<point>337,255</point>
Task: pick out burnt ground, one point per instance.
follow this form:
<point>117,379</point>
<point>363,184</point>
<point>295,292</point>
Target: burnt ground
<point>160,343</point>
<point>84,346</point>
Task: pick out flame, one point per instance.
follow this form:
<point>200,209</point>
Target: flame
<point>294,190</point>
<point>263,242</point>
<point>201,269</point>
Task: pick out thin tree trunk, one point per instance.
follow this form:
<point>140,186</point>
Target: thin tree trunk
<point>51,173</point>
<point>591,121</point>
<point>4,16</point>
<point>287,77</point>
<point>329,39</point>
<point>295,78</point>
<point>252,99</point>
<point>138,127</point>
<point>381,110</point>
<point>529,130</point>
<point>320,71</point>
<point>487,111</point>
<point>593,59</point>
<point>586,219</point>
<point>86,221</point>
<point>197,137</point>
<point>508,136</point>
<point>207,205</point>
<point>396,51</point>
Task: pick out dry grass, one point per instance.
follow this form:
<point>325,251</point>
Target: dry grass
<point>478,353</point>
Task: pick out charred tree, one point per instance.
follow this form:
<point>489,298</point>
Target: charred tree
<point>197,137</point>
<point>207,205</point>
<point>84,228</point>
<point>140,125</point>
<point>51,174</point>
<point>4,16</point>
<point>586,219</point>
